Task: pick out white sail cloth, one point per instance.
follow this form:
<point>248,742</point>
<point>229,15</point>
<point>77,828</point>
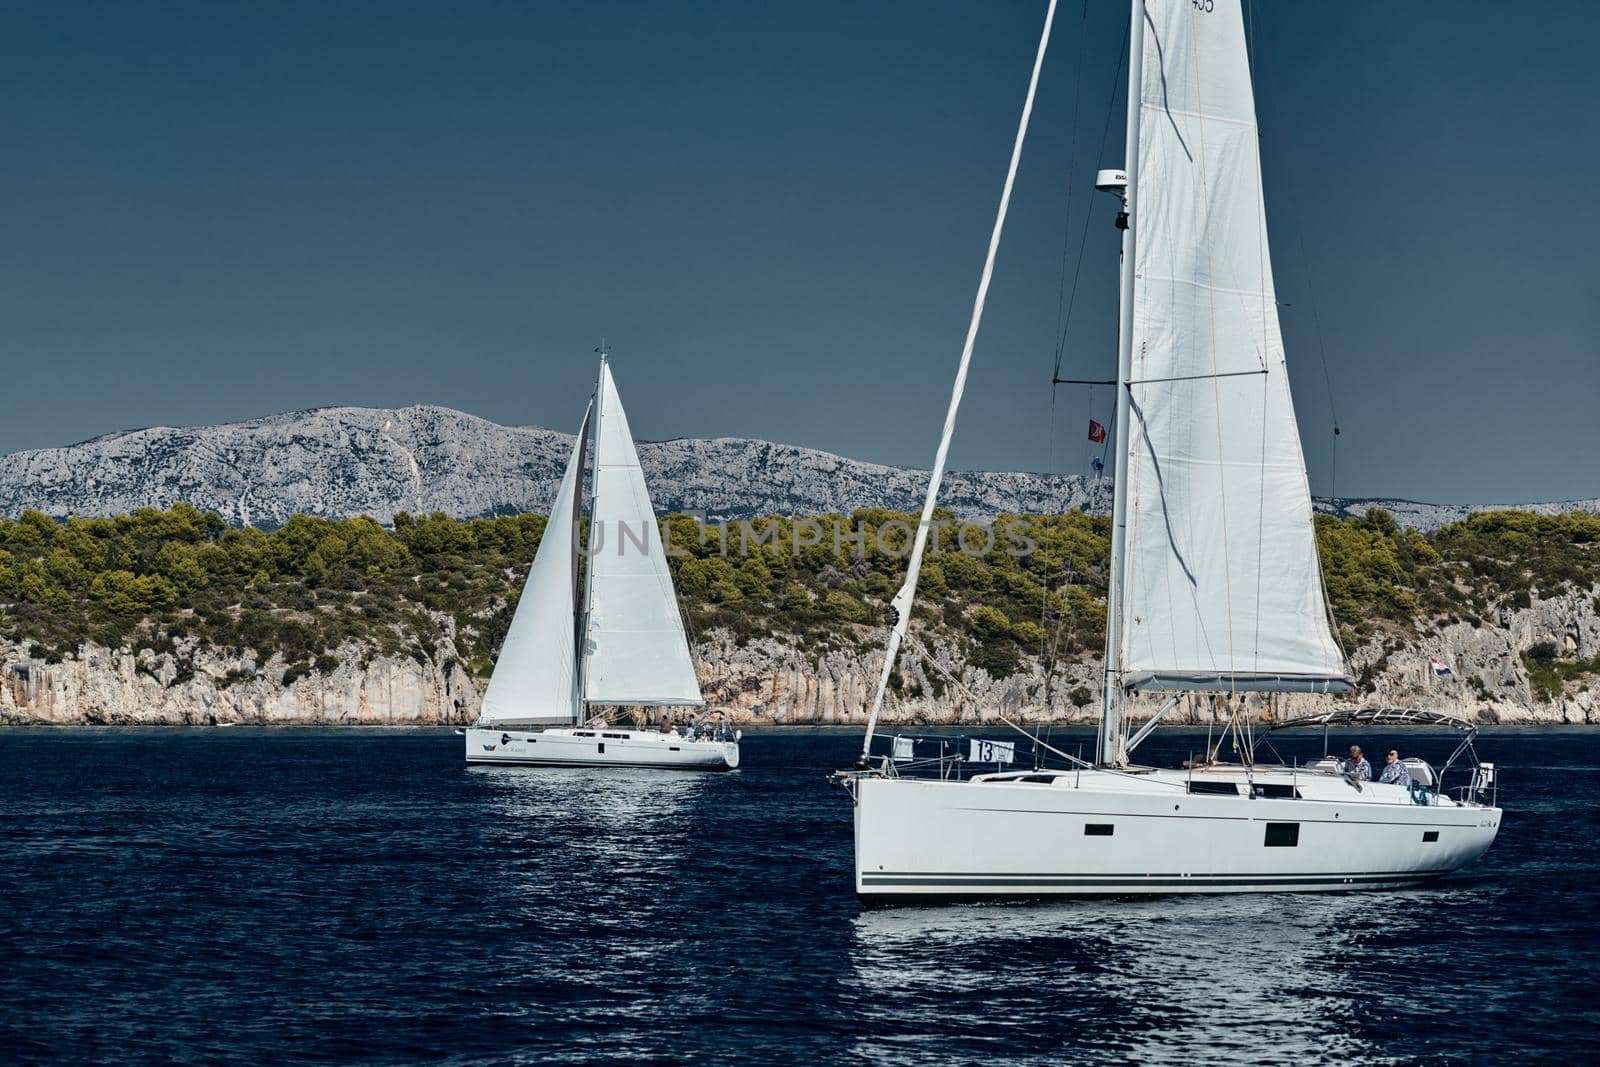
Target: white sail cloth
<point>636,647</point>
<point>1221,587</point>
<point>535,678</point>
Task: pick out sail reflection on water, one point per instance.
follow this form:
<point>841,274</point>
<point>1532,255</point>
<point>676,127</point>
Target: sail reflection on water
<point>628,817</point>
<point>567,839</point>
<point>581,867</point>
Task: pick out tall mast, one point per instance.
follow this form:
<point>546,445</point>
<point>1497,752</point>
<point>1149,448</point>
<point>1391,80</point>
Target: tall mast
<point>581,674</point>
<point>1110,740</point>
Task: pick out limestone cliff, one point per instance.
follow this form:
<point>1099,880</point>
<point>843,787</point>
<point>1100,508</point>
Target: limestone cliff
<point>122,687</point>
<point>771,679</point>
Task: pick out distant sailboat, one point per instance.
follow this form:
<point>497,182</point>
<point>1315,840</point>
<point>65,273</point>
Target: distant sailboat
<point>1215,585</point>
<point>617,642</point>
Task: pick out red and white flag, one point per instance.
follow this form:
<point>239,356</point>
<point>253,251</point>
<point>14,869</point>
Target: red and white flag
<point>1097,433</point>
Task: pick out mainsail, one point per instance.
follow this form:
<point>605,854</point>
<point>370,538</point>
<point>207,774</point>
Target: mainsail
<point>637,651</point>
<point>535,677</point>
<point>1220,582</point>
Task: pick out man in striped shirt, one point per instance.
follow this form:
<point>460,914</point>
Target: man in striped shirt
<point>1394,771</point>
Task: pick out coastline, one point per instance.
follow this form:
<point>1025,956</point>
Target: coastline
<point>757,730</point>
<point>772,683</point>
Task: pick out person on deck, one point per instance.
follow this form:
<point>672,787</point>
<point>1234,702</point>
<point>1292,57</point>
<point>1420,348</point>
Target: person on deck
<point>1357,765</point>
<point>1394,771</point>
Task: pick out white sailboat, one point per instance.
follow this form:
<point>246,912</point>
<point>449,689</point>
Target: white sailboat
<point>617,642</point>
<point>1215,585</point>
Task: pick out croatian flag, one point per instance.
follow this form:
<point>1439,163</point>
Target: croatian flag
<point>1439,669</point>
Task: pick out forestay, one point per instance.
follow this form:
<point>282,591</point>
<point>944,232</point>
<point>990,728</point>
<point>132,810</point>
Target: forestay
<point>902,602</point>
<point>637,650</point>
<point>1220,579</point>
<point>534,679</point>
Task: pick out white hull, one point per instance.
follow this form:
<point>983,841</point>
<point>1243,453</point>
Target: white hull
<point>598,747</point>
<point>1013,838</point>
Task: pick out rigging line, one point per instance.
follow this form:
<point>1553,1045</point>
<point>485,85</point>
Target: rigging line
<point>1327,378</point>
<point>1044,579</point>
<point>1111,435</point>
<point>1074,760</point>
<point>901,605</point>
<point>1050,436</point>
<point>1067,619</point>
<point>1322,351</point>
<point>1072,161</point>
<point>1080,762</point>
<point>1066,233</point>
<point>1105,134</point>
<point>1064,319</point>
<point>1044,612</point>
<point>916,645</point>
<point>1077,270</point>
<point>1196,377</point>
<point>1311,285</point>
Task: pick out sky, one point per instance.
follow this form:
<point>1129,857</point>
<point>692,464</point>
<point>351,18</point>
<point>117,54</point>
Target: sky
<point>775,214</point>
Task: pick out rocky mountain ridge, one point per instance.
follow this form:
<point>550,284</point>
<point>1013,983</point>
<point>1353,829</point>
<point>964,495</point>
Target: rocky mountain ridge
<point>345,461</point>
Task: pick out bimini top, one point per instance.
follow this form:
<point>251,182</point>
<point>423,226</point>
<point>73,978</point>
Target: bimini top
<point>1378,717</point>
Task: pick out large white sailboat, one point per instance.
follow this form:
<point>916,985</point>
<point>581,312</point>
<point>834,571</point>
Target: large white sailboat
<point>618,641</point>
<point>1215,584</point>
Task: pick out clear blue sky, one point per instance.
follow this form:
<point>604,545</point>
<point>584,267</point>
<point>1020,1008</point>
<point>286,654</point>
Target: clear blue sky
<point>776,214</point>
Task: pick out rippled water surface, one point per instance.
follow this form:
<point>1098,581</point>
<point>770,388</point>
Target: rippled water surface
<point>293,895</point>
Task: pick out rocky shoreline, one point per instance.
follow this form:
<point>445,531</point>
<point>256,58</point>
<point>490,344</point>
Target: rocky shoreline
<point>773,680</point>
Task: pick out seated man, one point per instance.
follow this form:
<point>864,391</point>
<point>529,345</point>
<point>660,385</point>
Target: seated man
<point>1357,765</point>
<point>1394,771</point>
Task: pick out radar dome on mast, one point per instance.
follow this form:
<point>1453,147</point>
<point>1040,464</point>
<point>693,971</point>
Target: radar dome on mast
<point>1114,180</point>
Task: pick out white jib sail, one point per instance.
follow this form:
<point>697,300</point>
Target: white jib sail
<point>535,677</point>
<point>1221,583</point>
<point>637,650</point>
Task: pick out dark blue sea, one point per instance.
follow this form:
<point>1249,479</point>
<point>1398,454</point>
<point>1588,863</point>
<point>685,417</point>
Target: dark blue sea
<point>292,895</point>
